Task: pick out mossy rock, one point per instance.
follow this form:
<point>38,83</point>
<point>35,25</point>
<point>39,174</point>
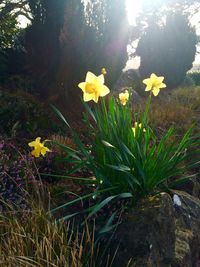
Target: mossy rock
<point>161,232</point>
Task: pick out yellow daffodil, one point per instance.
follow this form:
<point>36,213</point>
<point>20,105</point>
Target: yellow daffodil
<point>123,97</point>
<point>154,84</point>
<point>136,126</point>
<point>39,147</point>
<point>93,87</point>
<point>103,71</point>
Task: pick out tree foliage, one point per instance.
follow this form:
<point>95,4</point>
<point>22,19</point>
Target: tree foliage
<point>42,42</point>
<point>9,31</point>
<point>168,49</point>
<point>9,28</point>
<point>68,38</point>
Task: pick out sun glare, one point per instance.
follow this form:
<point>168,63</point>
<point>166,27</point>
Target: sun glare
<point>133,8</point>
<point>23,21</point>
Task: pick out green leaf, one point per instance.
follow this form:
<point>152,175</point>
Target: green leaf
<point>109,226</point>
<point>106,201</point>
<point>107,144</point>
<point>125,148</point>
<point>121,168</point>
<point>65,218</point>
<point>81,198</point>
<point>88,180</point>
<point>60,115</point>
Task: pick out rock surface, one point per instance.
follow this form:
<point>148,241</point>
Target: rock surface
<point>164,231</point>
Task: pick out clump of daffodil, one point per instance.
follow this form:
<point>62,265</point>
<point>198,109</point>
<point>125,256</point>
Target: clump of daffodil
<point>103,71</point>
<point>39,148</point>
<point>136,125</point>
<point>93,87</point>
<point>154,84</point>
<point>123,97</point>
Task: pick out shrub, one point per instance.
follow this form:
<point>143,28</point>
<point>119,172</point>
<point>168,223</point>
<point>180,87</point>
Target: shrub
<point>187,97</point>
<point>19,83</point>
<point>3,64</point>
<point>188,81</point>
<point>23,115</point>
<point>16,172</point>
<point>195,75</point>
<point>19,174</point>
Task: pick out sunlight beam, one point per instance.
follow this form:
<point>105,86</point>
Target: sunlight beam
<point>133,8</point>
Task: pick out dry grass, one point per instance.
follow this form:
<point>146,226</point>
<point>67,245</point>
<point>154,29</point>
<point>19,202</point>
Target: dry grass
<point>179,109</point>
<point>33,238</point>
<point>62,140</point>
<point>189,97</point>
<point>38,241</point>
<point>170,114</point>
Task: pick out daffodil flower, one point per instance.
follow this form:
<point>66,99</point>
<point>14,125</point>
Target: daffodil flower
<point>93,87</point>
<point>123,97</point>
<point>136,126</point>
<point>103,71</point>
<point>154,84</point>
<point>39,147</point>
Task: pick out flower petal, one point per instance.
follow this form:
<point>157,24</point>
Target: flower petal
<point>163,85</point>
<point>35,153</point>
<point>31,143</point>
<point>87,97</point>
<point>148,88</point>
<point>82,86</point>
<point>101,78</point>
<point>44,150</point>
<point>160,79</point>
<point>96,97</point>
<point>155,91</point>
<point>153,76</point>
<point>104,90</point>
<point>146,81</point>
<point>38,139</point>
<point>90,77</point>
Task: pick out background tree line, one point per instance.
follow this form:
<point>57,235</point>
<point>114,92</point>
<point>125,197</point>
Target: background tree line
<point>67,38</point>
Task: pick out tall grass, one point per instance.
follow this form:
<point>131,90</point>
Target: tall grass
<point>32,238</point>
